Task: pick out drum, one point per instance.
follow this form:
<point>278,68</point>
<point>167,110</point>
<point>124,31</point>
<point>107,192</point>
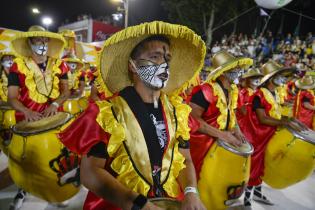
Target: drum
<point>289,158</point>
<point>166,203</point>
<point>287,110</point>
<point>224,174</point>
<point>33,150</point>
<point>72,106</point>
<point>87,91</point>
<point>7,119</point>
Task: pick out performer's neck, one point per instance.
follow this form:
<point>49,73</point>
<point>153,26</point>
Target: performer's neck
<point>147,94</point>
<point>39,59</point>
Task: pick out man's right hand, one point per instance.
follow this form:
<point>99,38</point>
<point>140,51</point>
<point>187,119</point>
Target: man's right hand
<point>32,115</point>
<point>229,137</point>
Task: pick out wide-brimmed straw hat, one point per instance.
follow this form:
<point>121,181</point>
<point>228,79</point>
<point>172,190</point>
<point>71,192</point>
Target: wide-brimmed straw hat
<point>223,61</point>
<point>55,46</point>
<point>6,36</point>
<point>73,59</point>
<point>272,68</point>
<point>187,49</point>
<point>252,72</point>
<point>305,83</point>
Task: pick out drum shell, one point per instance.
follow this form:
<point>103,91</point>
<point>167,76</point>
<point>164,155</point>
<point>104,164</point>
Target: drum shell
<point>288,160</point>
<point>87,92</point>
<point>29,166</point>
<point>7,120</point>
<point>83,103</point>
<point>72,106</point>
<point>287,111</point>
<point>221,169</point>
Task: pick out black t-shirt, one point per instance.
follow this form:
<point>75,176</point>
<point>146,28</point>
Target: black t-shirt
<point>257,103</point>
<point>199,99</point>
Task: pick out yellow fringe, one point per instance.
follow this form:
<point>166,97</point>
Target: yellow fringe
<point>275,111</point>
<point>31,85</point>
<point>4,87</point>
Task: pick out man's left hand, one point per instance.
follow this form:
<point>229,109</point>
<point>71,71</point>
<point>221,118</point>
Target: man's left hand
<point>50,111</point>
<point>192,202</point>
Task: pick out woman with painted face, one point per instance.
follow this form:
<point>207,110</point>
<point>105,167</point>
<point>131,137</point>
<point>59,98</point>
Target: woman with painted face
<point>32,96</point>
<point>264,116</point>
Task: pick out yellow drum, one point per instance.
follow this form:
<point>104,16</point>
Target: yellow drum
<point>72,106</point>
<point>86,92</point>
<point>287,110</point>
<point>224,174</point>
<point>32,153</point>
<point>7,119</point>
<point>166,203</point>
<point>289,158</point>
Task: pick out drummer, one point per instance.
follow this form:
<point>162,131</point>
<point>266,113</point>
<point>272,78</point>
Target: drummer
<point>263,118</point>
<point>133,147</point>
<point>304,105</point>
<point>213,104</point>
<point>6,63</point>
<point>32,96</point>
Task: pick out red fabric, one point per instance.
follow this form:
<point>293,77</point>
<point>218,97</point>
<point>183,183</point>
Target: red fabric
<point>243,100</point>
<point>290,89</point>
<point>24,97</point>
<point>84,132</point>
<point>200,143</point>
<point>258,135</point>
<point>300,112</point>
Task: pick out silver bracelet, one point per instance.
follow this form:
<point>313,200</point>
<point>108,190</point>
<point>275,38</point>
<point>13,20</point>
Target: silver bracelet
<point>55,104</point>
<point>191,190</point>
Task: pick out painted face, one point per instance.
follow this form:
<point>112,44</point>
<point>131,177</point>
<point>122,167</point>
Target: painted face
<point>153,75</point>
<point>7,61</point>
<point>39,45</point>
<point>72,66</point>
<point>279,80</point>
<point>153,65</point>
<point>233,76</point>
<point>255,82</point>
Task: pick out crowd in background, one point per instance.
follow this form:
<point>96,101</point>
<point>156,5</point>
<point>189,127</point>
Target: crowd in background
<point>288,50</point>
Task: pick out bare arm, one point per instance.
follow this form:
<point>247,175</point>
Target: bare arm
<point>227,136</point>
<point>94,92</point>
<point>64,92</point>
<point>308,105</point>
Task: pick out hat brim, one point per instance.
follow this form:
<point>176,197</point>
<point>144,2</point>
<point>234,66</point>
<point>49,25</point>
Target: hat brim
<point>236,62</point>
<point>245,76</point>
<point>299,85</point>
<point>55,45</point>
<point>187,49</point>
<point>272,74</point>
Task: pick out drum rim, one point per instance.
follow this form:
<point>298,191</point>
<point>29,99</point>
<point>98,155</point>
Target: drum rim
<point>224,145</point>
<point>299,136</point>
<point>164,199</point>
<point>21,133</point>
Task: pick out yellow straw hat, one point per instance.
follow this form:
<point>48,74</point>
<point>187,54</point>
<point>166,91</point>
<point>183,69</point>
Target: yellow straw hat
<point>187,49</point>
<point>272,68</point>
<point>252,72</point>
<point>55,45</point>
<point>305,83</point>
<point>73,59</point>
<point>223,61</point>
<point>6,36</point>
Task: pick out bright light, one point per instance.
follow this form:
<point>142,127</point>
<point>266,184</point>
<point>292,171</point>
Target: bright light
<point>35,10</point>
<point>47,21</point>
<point>120,1</point>
<point>117,17</point>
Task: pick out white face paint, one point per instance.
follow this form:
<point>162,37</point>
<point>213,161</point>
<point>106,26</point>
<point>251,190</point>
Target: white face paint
<point>233,76</point>
<point>39,47</point>
<point>7,63</point>
<point>279,80</point>
<point>255,82</point>
<point>153,75</point>
<point>72,66</point>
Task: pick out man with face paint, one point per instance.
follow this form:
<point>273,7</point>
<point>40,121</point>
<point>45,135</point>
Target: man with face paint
<point>138,148</point>
<point>6,63</point>
<point>264,116</point>
<point>76,76</point>
<point>213,107</point>
<point>38,80</point>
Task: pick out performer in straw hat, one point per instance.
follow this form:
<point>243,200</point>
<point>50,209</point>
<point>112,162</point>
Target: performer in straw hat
<point>210,102</point>
<point>38,83</point>
<point>135,146</point>
<point>263,117</point>
<point>304,108</point>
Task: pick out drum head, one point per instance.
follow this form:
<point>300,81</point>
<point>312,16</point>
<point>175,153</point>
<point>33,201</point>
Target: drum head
<point>29,128</point>
<point>246,149</point>
<point>166,203</point>
<point>307,135</point>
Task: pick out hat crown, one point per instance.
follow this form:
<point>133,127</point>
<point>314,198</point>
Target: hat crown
<point>36,28</point>
<point>221,58</point>
<point>252,72</point>
<point>270,67</point>
<point>68,33</point>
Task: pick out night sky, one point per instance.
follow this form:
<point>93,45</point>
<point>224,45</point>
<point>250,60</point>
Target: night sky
<point>16,14</point>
